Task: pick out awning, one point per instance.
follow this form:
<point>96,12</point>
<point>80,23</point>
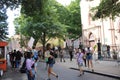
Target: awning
<point>2,44</point>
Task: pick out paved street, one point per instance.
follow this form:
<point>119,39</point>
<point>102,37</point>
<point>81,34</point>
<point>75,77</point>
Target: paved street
<point>105,67</point>
<point>62,69</point>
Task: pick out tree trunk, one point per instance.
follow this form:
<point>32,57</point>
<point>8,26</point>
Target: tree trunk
<point>35,42</point>
<point>43,43</point>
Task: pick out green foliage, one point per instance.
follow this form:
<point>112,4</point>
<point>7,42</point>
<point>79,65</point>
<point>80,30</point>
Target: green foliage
<point>39,21</point>
<point>31,7</point>
<point>4,4</point>
<point>3,30</point>
<point>74,20</point>
<point>45,19</point>
<point>107,8</point>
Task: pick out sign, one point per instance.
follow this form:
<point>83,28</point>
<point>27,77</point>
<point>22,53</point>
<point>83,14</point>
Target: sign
<point>76,43</point>
<point>31,41</point>
<point>69,42</point>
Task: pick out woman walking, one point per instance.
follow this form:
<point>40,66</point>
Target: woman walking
<point>51,61</point>
<point>30,65</point>
<point>89,58</point>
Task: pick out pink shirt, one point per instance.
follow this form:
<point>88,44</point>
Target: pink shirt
<point>29,63</point>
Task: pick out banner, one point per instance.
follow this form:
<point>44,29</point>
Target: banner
<point>69,42</point>
<point>76,43</point>
<point>64,46</point>
<point>30,43</point>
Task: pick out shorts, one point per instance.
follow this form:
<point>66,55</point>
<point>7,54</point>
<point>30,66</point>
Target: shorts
<point>89,57</point>
<point>51,65</point>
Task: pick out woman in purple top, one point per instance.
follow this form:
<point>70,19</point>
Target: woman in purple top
<point>30,66</point>
<point>79,56</point>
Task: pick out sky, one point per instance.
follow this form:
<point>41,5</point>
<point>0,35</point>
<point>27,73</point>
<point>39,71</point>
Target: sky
<point>12,15</point>
<point>10,20</point>
<point>64,2</point>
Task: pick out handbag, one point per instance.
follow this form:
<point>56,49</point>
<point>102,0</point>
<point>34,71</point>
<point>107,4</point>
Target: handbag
<point>46,59</point>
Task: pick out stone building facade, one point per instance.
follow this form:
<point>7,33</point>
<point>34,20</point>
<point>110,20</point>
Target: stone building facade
<point>105,30</point>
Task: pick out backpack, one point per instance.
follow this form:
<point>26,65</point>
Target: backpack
<point>35,55</point>
<point>51,60</point>
<point>54,54</point>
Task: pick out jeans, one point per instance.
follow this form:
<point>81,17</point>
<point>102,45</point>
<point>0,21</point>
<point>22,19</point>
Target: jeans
<point>18,63</point>
<point>29,76</point>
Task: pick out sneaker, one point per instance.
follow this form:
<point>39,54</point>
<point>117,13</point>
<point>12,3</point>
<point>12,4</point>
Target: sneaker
<point>79,75</point>
<point>56,76</point>
<point>92,70</point>
<point>48,79</point>
<point>83,73</point>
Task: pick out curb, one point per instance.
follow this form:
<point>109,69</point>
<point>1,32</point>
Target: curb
<point>98,73</point>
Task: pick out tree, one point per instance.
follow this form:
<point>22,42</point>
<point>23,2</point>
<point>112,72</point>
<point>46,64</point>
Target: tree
<point>41,23</point>
<point>43,19</point>
<point>107,8</point>
<point>20,24</point>
<point>3,26</point>
<point>74,20</point>
<point>70,17</point>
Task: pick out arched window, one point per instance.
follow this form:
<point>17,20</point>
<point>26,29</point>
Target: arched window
<point>91,37</point>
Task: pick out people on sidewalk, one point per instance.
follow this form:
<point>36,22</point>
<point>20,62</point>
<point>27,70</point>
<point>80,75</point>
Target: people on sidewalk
<point>71,53</point>
<point>79,57</point>
<point>47,54</point>
<point>30,66</point>
<point>18,59</point>
<point>84,57</point>
<point>108,51</point>
<point>62,52</point>
<point>51,61</point>
<point>35,53</point>
<point>89,54</point>
<point>13,59</point>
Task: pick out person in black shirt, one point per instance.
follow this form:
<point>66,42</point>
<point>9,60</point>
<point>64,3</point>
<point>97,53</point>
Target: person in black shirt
<point>18,58</point>
<point>70,53</point>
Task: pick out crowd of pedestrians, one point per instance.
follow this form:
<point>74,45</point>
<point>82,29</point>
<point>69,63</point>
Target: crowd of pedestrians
<point>51,56</point>
<point>15,58</point>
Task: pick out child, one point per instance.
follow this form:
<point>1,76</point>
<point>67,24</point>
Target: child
<point>62,52</point>
<point>80,61</point>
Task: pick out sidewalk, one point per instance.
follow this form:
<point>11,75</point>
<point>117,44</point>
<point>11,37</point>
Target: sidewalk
<point>105,68</point>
